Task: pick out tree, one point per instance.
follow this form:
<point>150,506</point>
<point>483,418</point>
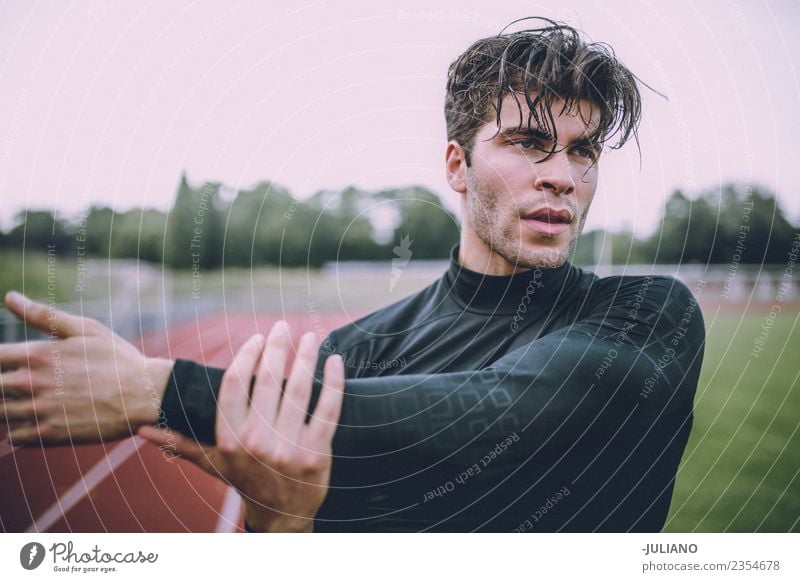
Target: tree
<point>40,230</point>
<point>139,234</point>
<point>251,223</point>
<point>432,228</point>
<point>97,233</point>
<point>196,227</point>
<point>734,223</point>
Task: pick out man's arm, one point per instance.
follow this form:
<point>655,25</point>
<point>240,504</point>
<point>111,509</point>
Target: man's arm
<point>638,351</point>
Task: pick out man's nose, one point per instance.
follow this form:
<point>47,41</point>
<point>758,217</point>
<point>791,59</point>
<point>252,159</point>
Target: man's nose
<point>555,175</point>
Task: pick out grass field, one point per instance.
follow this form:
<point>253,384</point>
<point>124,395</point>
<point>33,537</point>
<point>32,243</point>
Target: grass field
<point>740,469</point>
<point>30,273</point>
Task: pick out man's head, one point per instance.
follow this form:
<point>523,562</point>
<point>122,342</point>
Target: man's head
<point>527,115</point>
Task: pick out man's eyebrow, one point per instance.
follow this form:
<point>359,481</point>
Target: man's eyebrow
<point>520,131</point>
<point>587,141</point>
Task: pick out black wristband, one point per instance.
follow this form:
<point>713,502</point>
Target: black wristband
<point>189,405</point>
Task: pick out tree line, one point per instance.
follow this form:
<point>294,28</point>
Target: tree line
<point>733,223</point>
<point>208,228</point>
<point>264,225</point>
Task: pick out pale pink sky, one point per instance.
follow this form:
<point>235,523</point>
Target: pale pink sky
<point>107,102</point>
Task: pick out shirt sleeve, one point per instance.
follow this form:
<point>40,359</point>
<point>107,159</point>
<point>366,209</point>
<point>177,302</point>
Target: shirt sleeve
<point>638,352</point>
<point>189,405</point>
<point>639,347</point>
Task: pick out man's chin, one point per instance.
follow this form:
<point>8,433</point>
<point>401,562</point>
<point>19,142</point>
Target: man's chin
<point>540,257</point>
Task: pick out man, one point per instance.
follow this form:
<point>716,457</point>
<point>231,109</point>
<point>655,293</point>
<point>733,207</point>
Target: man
<point>527,395</point>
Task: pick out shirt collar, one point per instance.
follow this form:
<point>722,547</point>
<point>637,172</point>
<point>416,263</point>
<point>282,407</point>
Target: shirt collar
<point>503,294</point>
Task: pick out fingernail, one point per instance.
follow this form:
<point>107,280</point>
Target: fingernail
<point>282,327</point>
<point>338,364</point>
<point>14,297</point>
<point>309,339</point>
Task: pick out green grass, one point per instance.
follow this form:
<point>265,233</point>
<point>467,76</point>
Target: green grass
<point>740,469</point>
<point>37,277</point>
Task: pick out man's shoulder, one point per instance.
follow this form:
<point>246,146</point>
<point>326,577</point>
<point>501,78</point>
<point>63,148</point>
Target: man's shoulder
<point>648,288</point>
<point>660,302</point>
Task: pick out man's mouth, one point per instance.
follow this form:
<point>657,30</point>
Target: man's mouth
<point>549,221</point>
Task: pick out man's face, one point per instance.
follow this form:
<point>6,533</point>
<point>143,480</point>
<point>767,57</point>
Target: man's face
<point>520,210</point>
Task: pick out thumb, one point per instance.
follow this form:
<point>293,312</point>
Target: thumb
<point>177,444</point>
<point>46,318</point>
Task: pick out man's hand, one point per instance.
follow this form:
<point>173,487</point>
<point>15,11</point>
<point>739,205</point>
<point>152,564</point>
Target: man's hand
<point>280,463</point>
<point>82,384</point>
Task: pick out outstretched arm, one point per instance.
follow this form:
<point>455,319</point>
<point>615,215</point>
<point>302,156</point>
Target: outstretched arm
<point>633,352</point>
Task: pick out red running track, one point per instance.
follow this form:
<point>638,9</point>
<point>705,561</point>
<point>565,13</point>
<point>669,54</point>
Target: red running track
<point>129,485</point>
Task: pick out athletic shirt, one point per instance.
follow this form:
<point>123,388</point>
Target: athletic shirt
<point>548,400</point>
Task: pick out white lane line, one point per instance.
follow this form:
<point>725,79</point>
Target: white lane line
<point>87,482</point>
<point>229,514</point>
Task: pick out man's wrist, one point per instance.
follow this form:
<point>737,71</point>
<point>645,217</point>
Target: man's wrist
<point>155,377</point>
<point>189,402</point>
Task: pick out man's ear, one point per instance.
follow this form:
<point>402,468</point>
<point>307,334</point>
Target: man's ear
<point>455,164</point>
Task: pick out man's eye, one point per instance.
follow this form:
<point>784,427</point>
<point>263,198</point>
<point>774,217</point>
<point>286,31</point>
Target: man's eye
<point>530,144</point>
<point>586,152</point>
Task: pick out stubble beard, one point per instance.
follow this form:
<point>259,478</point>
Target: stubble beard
<point>505,240</point>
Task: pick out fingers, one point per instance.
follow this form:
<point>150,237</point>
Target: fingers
<point>234,392</point>
<point>157,436</point>
<point>178,444</point>
<point>16,355</point>
<point>294,406</point>
<point>269,380</point>
<point>48,319</point>
<point>17,384</point>
<point>17,411</point>
<point>25,435</point>
<point>323,424</point>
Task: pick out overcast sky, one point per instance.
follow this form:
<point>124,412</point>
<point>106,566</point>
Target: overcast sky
<point>109,101</point>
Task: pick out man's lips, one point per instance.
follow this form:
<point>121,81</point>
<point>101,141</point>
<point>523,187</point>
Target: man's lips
<point>548,221</point>
<point>549,215</point>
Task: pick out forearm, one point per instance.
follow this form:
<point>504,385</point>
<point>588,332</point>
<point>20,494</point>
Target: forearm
<point>530,395</point>
<point>433,417</point>
<point>577,380</point>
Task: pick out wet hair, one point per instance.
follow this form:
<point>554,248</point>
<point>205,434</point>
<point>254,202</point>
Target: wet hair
<point>541,65</point>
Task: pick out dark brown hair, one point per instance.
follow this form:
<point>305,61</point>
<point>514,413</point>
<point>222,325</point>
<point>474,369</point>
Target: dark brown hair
<point>553,62</point>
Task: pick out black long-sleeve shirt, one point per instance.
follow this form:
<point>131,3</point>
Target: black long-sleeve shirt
<point>548,400</point>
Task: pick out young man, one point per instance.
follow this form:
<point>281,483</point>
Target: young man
<point>529,395</point>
